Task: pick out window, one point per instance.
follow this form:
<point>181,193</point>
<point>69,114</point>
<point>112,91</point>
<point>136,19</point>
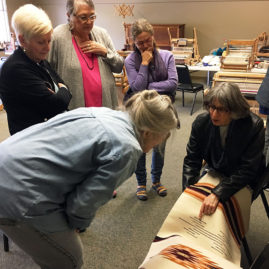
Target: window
<point>4,26</point>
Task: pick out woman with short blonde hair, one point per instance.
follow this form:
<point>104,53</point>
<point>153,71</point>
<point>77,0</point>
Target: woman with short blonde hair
<point>30,89</point>
<point>29,21</point>
<point>149,107</point>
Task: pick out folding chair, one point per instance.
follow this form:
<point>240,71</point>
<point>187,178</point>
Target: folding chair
<point>185,84</point>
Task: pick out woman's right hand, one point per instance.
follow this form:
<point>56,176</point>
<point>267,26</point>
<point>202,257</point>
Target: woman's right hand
<point>209,205</point>
<point>147,56</point>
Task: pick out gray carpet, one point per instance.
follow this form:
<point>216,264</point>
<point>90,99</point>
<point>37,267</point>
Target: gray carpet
<point>123,229</point>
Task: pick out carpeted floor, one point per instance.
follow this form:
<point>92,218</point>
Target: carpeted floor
<point>123,229</point>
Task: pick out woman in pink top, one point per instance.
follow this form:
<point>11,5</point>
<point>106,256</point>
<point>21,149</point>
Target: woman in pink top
<point>87,51</point>
<point>84,55</point>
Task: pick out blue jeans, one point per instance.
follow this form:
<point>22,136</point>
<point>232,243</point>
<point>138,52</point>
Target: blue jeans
<point>156,166</point>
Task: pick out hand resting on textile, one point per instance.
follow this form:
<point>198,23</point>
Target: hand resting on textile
<point>209,205</point>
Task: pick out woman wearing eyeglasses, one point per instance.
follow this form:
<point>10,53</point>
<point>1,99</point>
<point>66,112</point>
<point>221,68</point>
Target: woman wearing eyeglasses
<point>230,139</point>
<point>85,57</point>
<point>150,68</point>
<point>31,90</point>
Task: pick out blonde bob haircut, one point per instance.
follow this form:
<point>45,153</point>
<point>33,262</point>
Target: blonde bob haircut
<point>29,21</point>
<point>152,112</point>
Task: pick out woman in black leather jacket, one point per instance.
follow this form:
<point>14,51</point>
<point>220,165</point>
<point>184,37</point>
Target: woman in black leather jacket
<point>230,139</point>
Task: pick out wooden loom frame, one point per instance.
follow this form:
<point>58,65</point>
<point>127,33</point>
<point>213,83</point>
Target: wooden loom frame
<point>239,77</point>
<point>196,55</point>
<point>250,43</point>
<point>255,78</point>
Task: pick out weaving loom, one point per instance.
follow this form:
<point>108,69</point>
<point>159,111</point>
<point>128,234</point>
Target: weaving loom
<point>239,55</point>
<point>185,50</point>
<point>248,83</point>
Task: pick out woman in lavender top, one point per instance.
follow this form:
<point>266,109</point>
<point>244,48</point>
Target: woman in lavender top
<point>150,68</point>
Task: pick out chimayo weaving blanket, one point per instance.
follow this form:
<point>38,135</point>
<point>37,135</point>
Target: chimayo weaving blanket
<point>184,241</point>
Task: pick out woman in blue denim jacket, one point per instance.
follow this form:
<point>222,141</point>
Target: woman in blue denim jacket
<point>55,175</point>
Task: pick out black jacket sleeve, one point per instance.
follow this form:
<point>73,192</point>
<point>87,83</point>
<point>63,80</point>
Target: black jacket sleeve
<point>193,160</point>
<point>31,85</point>
<point>250,165</point>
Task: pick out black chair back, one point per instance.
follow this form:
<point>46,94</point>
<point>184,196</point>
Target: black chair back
<point>185,84</point>
<point>183,75</point>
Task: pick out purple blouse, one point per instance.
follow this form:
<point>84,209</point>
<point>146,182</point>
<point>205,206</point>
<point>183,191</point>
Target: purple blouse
<point>140,80</point>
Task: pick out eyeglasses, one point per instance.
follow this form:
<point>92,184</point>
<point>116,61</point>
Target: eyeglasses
<point>219,109</point>
<point>141,43</point>
<point>84,18</point>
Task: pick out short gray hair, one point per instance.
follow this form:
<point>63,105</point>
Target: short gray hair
<point>72,5</point>
<point>29,20</point>
<point>229,95</point>
<point>140,26</point>
<point>153,112</point>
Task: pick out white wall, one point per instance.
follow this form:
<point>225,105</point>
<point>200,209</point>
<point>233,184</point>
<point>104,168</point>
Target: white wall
<point>12,5</point>
<point>215,21</point>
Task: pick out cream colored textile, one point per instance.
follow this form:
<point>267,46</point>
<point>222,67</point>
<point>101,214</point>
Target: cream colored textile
<point>186,242</point>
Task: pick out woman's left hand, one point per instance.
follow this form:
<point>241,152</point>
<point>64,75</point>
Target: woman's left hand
<point>209,205</point>
<point>93,47</point>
